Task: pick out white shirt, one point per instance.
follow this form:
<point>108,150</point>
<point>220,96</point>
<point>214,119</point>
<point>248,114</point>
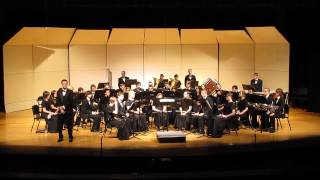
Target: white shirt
<point>124,79</point>
<point>64,91</point>
<point>255,81</point>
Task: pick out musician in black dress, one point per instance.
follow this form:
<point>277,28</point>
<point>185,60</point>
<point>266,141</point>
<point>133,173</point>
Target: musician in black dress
<point>65,106</point>
<point>161,116</point>
<point>210,110</point>
<point>122,79</point>
<point>161,83</point>
<point>90,110</point>
<point>243,110</point>
<point>139,122</point>
<point>226,119</point>
<point>183,116</point>
<point>47,111</point>
<point>190,77</point>
<point>277,109</point>
<point>118,118</point>
<point>197,116</point>
<point>256,83</point>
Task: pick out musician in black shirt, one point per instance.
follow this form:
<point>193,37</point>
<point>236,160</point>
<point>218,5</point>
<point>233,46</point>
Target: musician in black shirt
<point>243,110</point>
<point>226,118</point>
<point>90,110</point>
<point>210,110</point>
<point>183,117</point>
<point>276,110</point>
<point>161,114</point>
<point>197,116</point>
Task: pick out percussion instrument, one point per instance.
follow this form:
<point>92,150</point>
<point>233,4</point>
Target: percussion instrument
<point>211,85</point>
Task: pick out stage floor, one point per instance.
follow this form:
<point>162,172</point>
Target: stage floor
<point>16,138</point>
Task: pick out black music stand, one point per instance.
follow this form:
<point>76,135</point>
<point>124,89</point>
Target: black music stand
<point>130,82</point>
<point>101,85</point>
<point>248,87</point>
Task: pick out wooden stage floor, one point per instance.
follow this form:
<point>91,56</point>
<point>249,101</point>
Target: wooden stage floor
<point>16,138</point>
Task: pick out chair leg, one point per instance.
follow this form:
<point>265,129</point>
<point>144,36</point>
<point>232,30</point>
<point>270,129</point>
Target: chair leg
<point>38,124</point>
<point>289,123</point>
<point>33,124</point>
<point>280,123</point>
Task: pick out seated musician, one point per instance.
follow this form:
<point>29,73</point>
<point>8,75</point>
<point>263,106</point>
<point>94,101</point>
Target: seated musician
<point>166,86</point>
<point>94,96</point>
<point>103,104</point>
<point>160,84</point>
<point>175,83</point>
<point>235,93</point>
<point>161,117</point>
<point>138,118</point>
<point>138,87</point>
<point>243,110</point>
<point>267,95</point>
<point>150,88</point>
<point>118,118</point>
<point>226,119</point>
<point>197,116</point>
<point>210,110</point>
<point>188,86</point>
<point>277,109</point>
<point>53,98</point>
<point>183,117</point>
<point>47,111</point>
<point>90,110</point>
<point>122,88</point>
<point>198,92</point>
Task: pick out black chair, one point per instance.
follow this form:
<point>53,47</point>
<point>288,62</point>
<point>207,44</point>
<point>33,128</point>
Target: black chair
<point>36,116</point>
<point>284,115</point>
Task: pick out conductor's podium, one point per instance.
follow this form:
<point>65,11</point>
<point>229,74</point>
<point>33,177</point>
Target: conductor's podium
<point>171,136</point>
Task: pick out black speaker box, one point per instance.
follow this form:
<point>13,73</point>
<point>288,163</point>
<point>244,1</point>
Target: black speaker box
<point>171,137</point>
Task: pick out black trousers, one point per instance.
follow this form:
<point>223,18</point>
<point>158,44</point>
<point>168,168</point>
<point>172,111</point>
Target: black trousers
<point>183,121</point>
<point>65,119</point>
<point>210,119</point>
<point>161,119</point>
<point>198,123</point>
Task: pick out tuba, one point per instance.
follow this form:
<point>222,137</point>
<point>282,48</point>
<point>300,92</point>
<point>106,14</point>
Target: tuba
<point>211,85</point>
<point>156,82</point>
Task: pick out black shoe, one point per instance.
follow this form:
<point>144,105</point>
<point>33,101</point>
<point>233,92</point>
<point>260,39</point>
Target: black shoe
<point>60,139</point>
<point>271,130</point>
<point>70,139</point>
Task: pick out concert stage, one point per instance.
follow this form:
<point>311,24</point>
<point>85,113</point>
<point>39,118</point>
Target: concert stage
<point>16,138</point>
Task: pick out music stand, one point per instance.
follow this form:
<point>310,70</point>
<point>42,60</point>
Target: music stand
<point>101,85</point>
<point>130,82</point>
<point>248,87</point>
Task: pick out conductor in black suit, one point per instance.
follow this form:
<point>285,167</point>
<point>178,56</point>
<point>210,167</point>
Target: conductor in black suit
<point>256,83</point>
<point>189,77</point>
<point>122,79</point>
<point>65,105</point>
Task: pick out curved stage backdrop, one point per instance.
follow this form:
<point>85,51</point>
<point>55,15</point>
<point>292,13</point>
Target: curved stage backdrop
<point>37,58</point>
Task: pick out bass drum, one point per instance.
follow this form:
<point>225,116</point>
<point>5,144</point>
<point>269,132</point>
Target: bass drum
<point>211,85</point>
